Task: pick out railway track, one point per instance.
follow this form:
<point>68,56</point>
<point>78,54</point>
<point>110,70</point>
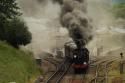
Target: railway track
<point>53,69</point>
<point>53,61</point>
<point>61,71</point>
<point>58,75</point>
<point>101,71</point>
<point>74,79</point>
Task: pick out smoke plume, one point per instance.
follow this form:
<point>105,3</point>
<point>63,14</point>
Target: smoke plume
<point>74,18</point>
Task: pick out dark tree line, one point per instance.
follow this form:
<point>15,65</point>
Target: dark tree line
<point>12,29</point>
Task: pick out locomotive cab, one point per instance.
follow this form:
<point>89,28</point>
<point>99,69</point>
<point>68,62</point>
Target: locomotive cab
<point>69,48</point>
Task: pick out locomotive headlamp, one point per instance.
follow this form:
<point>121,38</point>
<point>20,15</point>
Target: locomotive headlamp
<point>84,63</point>
<point>75,56</point>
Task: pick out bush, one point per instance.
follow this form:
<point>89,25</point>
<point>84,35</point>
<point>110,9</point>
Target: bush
<point>17,33</point>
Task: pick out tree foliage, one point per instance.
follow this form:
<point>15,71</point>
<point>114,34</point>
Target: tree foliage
<point>8,9</point>
<point>119,10</point>
<point>17,33</point>
<point>12,29</point>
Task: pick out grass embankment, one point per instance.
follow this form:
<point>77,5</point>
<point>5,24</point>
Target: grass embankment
<point>114,73</point>
<point>16,66</point>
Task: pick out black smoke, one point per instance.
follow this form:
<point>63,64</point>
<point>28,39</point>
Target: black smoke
<point>74,18</point>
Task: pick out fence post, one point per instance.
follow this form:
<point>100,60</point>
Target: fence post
<point>121,63</point>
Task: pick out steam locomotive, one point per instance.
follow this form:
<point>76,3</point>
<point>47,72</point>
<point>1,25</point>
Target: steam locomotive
<point>78,57</point>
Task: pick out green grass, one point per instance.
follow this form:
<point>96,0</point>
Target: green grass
<point>16,66</point>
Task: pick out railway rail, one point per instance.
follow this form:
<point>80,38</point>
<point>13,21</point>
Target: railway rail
<point>54,64</point>
<point>58,75</point>
<point>53,61</point>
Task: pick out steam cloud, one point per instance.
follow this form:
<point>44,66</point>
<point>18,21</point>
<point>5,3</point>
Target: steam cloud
<point>74,18</point>
<point>42,18</point>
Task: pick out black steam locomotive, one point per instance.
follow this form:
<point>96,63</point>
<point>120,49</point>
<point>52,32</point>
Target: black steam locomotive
<point>79,57</point>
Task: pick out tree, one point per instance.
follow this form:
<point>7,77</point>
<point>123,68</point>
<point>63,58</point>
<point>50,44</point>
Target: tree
<point>17,33</point>
<point>12,30</point>
<point>119,10</point>
<point>8,10</point>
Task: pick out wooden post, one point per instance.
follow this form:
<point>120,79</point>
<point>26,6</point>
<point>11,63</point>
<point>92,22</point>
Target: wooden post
<point>121,63</point>
<point>39,61</point>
